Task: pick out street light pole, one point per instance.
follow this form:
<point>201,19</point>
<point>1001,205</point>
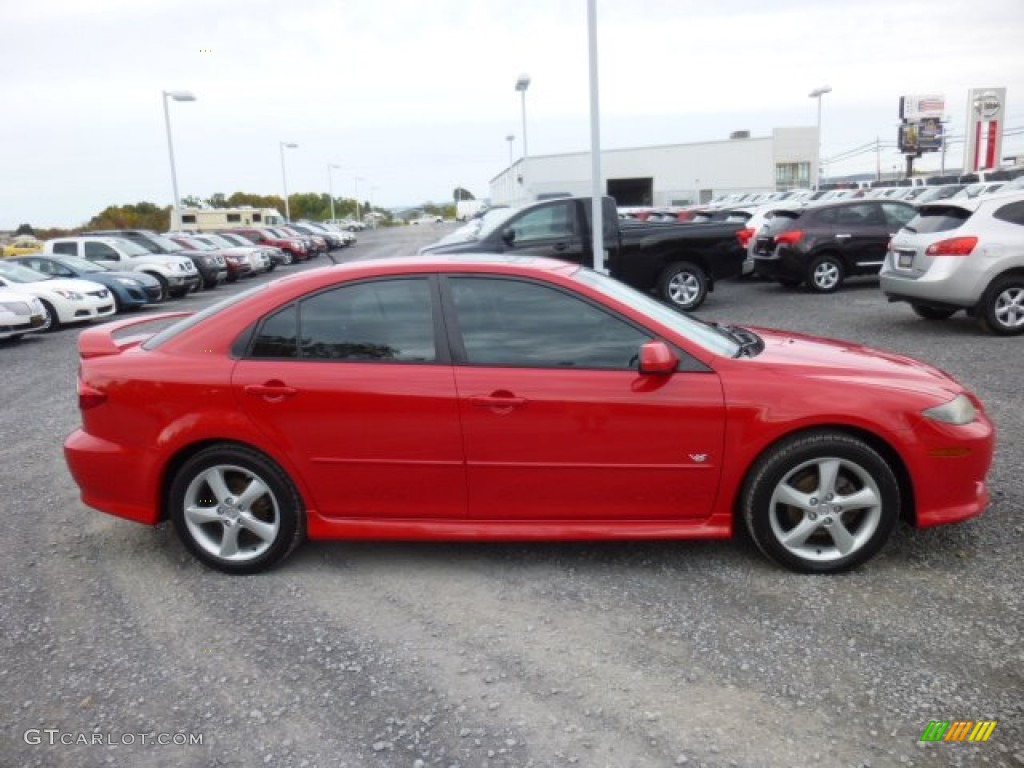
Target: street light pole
<point>177,96</point>
<point>817,93</point>
<point>330,187</point>
<point>522,83</point>
<point>284,178</point>
<point>357,180</point>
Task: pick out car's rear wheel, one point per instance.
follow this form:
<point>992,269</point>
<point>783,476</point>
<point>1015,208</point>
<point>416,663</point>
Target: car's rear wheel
<point>932,313</point>
<point>1002,306</point>
<point>235,509</point>
<point>822,502</point>
<point>52,321</point>
<point>683,285</point>
<point>826,274</point>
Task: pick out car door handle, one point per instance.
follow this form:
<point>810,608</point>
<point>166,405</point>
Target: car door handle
<point>501,401</point>
<point>843,237</point>
<point>561,247</point>
<point>272,390</point>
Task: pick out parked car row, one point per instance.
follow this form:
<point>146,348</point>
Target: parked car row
<point>93,275</point>
<point>942,248</point>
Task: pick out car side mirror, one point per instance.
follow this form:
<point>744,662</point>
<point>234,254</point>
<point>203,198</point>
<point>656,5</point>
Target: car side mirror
<point>656,359</point>
<point>509,236</point>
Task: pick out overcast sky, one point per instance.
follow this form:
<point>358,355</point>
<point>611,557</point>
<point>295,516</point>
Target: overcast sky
<point>415,98</point>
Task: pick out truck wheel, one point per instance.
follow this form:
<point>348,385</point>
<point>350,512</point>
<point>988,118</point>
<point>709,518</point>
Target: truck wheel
<point>163,285</point>
<point>1001,310</point>
<point>825,274</point>
<point>683,285</point>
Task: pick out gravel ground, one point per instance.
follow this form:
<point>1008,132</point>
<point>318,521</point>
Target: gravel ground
<point>592,654</point>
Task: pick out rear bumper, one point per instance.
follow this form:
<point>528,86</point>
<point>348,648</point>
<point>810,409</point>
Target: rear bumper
<point>112,478</point>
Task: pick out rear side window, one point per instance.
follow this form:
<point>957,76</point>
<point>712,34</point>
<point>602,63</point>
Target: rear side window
<point>1013,213</point>
<point>938,218</point>
<point>70,249</point>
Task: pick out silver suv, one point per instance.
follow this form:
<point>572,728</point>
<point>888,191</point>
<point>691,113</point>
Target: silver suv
<point>962,254</point>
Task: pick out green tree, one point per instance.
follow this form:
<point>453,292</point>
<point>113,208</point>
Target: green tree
<point>459,193</point>
<point>25,229</point>
<point>137,216</point>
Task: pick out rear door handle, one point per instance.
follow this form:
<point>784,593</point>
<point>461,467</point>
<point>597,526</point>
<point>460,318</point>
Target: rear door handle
<point>270,390</point>
<point>843,237</point>
<point>561,247</point>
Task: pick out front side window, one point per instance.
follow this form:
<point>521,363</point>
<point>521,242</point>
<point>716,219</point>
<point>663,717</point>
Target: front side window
<point>507,322</point>
<point>382,320</point>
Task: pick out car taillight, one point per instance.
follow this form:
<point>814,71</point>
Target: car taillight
<point>88,397</point>
<point>744,236</point>
<point>792,237</point>
<point>955,246</point>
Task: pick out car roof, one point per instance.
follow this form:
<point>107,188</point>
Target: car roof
<point>974,203</point>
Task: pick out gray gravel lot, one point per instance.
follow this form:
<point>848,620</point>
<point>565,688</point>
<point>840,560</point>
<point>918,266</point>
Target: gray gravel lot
<point>609,654</point>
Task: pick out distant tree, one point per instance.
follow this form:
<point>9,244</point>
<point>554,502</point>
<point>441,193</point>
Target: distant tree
<point>137,216</point>
<point>218,200</point>
<point>25,229</point>
<point>462,194</point>
<point>192,201</point>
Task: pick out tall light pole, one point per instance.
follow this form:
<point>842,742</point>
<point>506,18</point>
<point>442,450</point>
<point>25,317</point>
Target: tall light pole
<point>817,93</point>
<point>284,178</point>
<point>357,180</point>
<point>330,186</point>
<point>522,83</point>
<point>177,96</point>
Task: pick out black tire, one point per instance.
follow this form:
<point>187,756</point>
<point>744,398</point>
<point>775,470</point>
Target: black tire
<point>826,274</point>
<point>223,528</point>
<point>163,285</point>
<point>932,313</point>
<point>683,286</point>
<point>52,321</point>
<point>1001,309</point>
<point>802,524</point>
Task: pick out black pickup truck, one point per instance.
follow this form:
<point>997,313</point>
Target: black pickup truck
<point>680,263</point>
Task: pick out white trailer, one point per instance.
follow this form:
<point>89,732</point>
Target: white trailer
<point>214,219</point>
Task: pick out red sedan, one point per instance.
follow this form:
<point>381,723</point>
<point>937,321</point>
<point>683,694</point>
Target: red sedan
<point>516,399</point>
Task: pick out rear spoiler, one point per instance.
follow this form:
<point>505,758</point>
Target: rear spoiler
<point>100,342</point>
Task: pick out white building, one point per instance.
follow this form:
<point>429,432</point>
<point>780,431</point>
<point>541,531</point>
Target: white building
<point>674,174</point>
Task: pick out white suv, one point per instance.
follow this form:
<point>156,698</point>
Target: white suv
<point>962,254</point>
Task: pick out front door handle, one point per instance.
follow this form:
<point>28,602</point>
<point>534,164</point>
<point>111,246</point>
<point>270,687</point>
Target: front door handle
<point>843,237</point>
<point>500,402</point>
<point>561,247</point>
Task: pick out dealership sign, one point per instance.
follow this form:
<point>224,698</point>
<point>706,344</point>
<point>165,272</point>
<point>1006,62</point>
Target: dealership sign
<point>914,108</point>
<point>986,108</point>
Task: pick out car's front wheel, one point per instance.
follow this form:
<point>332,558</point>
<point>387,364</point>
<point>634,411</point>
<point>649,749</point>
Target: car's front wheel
<point>821,502</point>
<point>683,285</point>
<point>52,321</point>
<point>1002,307</point>
<point>235,509</point>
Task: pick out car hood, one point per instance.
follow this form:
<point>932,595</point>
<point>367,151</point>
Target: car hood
<point>139,277</point>
<point>63,284</point>
<point>813,356</point>
<point>170,260</point>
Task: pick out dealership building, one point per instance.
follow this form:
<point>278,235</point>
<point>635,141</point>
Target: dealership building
<point>673,174</point>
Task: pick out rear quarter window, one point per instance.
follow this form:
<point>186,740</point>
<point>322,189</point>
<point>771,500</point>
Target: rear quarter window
<point>938,218</point>
<point>1013,213</point>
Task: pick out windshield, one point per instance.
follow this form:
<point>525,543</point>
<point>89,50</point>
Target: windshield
<point>19,274</point>
<point>187,322</point>
<point>131,248</point>
<point>166,244</point>
<point>81,265</point>
<point>707,336</point>
<point>216,240</point>
<point>493,219</point>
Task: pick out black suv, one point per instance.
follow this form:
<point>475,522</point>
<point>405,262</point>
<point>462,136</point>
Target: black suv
<point>823,244</point>
<point>212,268</point>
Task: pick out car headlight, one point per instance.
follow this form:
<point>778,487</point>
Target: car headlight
<point>70,295</point>
<point>127,281</point>
<point>959,410</point>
